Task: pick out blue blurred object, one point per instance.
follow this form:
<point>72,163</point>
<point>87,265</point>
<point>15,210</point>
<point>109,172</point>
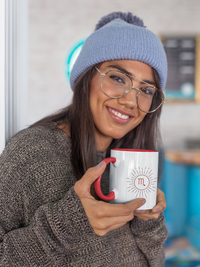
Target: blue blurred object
<point>193,227</point>
<point>179,252</point>
<point>71,58</point>
<point>175,185</point>
<point>176,264</point>
<point>181,185</point>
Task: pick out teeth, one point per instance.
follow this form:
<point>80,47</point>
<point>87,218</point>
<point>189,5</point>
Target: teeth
<point>118,114</point>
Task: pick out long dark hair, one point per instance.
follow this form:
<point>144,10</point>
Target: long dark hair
<point>78,116</point>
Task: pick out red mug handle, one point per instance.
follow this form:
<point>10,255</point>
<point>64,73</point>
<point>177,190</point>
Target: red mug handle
<point>97,184</point>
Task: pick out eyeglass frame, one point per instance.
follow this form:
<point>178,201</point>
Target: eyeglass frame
<point>128,90</point>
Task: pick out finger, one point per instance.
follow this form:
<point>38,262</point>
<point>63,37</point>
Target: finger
<point>113,210</point>
<point>147,216</point>
<point>99,209</point>
<point>139,211</point>
<point>105,231</point>
<point>142,213</point>
<point>155,212</point>
<point>107,222</point>
<point>136,203</point>
<point>158,208</point>
<point>93,173</point>
<point>105,209</point>
<point>161,202</point>
<point>82,186</point>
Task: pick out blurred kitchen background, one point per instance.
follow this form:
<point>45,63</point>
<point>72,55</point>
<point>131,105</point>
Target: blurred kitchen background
<point>41,39</point>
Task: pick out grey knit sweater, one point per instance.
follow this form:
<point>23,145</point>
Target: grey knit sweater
<point>42,221</point>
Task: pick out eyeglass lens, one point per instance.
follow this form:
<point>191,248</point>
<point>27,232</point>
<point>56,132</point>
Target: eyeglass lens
<point>116,84</point>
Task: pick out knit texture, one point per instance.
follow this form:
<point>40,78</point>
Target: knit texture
<point>120,40</point>
<point>128,17</point>
<point>42,221</point>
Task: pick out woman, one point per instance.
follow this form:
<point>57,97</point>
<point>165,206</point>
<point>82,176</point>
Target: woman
<point>50,215</point>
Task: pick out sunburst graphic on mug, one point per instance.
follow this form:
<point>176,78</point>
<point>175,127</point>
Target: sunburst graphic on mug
<point>141,181</point>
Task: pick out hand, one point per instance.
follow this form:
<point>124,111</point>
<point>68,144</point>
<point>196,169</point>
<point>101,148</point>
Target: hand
<point>161,205</point>
<point>103,217</point>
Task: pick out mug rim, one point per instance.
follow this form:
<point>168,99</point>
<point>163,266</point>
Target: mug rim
<point>133,150</point>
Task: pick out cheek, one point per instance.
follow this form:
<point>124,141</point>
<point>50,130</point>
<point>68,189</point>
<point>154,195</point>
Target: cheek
<point>138,121</point>
<point>94,103</point>
<point>142,116</point>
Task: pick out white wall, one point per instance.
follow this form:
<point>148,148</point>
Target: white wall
<point>2,75</point>
<point>16,65</point>
<point>54,26</point>
<point>13,68</point>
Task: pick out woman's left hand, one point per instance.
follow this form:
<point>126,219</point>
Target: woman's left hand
<point>161,205</point>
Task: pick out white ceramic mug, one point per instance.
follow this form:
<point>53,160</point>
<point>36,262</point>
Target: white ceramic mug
<point>133,174</point>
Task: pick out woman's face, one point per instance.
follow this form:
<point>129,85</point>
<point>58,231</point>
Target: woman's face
<point>108,112</point>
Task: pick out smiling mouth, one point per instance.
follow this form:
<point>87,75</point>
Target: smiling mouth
<point>118,114</point>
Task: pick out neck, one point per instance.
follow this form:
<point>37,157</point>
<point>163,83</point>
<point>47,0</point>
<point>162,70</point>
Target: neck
<point>103,142</point>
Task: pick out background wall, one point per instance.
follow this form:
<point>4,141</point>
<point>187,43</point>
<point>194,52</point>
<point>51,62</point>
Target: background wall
<point>55,26</point>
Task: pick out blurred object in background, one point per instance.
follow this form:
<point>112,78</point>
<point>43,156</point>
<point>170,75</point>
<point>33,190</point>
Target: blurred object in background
<point>179,252</point>
<point>182,189</point>
<point>183,55</point>
<point>192,144</point>
<point>181,185</point>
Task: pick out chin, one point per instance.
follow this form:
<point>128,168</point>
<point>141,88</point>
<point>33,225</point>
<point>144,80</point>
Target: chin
<point>118,135</point>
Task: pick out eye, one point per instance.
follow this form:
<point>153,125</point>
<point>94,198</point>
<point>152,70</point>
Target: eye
<point>148,90</point>
<point>117,79</point>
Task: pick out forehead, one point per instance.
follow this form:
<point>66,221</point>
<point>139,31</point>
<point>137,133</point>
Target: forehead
<point>135,68</point>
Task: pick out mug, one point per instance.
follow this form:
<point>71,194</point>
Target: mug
<point>133,174</point>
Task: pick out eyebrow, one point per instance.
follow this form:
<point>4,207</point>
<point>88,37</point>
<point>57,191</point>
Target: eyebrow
<point>120,68</point>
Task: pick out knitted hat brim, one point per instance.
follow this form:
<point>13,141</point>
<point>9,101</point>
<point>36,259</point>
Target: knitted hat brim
<point>120,40</point>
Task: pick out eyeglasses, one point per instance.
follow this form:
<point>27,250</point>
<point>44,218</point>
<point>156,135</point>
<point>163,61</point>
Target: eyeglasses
<point>116,84</point>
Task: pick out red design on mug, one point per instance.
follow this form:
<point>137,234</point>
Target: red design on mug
<point>141,182</point>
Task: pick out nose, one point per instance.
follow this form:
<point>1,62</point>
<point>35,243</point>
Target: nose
<point>130,99</point>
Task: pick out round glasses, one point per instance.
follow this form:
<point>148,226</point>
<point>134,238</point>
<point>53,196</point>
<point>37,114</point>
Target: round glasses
<point>116,84</point>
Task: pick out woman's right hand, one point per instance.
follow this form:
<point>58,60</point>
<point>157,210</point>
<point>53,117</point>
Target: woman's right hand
<point>103,217</point>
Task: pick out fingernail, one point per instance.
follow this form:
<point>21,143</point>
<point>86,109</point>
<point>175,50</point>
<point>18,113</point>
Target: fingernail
<point>100,165</point>
<point>138,211</point>
<point>143,201</point>
<point>157,210</point>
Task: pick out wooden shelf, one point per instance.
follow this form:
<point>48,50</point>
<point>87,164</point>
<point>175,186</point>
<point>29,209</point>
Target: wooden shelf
<point>188,157</point>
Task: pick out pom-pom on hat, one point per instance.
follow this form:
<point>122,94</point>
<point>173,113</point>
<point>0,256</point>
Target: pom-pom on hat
<point>128,17</point>
<point>121,36</point>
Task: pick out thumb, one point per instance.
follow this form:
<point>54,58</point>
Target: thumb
<point>136,203</point>
<point>93,173</point>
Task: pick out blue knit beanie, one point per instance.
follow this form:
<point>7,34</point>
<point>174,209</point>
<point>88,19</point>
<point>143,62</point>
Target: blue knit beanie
<point>121,36</point>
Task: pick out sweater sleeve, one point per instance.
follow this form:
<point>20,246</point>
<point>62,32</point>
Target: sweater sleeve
<point>40,214</point>
<point>51,232</point>
<point>150,237</point>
